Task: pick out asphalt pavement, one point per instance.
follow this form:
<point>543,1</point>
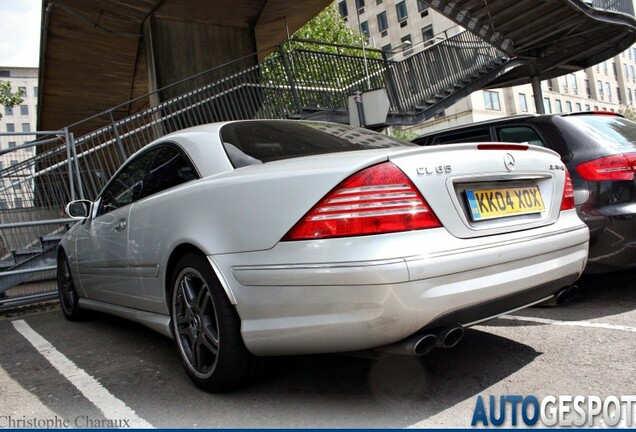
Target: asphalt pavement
<point>106,369</point>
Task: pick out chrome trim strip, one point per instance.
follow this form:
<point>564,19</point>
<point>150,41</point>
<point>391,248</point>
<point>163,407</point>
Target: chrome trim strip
<point>353,273</point>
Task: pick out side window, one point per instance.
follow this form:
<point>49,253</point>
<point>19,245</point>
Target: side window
<point>170,168</point>
<point>152,172</point>
<point>519,134</point>
<point>479,135</point>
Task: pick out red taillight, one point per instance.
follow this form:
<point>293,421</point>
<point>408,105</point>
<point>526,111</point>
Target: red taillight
<point>610,168</point>
<point>567,202</point>
<point>378,199</point>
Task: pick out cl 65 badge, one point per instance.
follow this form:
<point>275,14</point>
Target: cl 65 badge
<point>440,169</point>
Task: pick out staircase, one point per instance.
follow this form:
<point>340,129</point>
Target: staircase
<point>553,37</point>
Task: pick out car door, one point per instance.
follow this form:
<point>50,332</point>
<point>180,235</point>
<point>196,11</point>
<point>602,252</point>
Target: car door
<point>102,241</point>
<point>148,235</point>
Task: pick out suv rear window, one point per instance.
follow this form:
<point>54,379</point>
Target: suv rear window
<point>616,131</point>
<point>254,142</point>
<point>480,135</point>
<point>519,134</point>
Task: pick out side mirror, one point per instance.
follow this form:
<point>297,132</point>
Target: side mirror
<point>80,209</point>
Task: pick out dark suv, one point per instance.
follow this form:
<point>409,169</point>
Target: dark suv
<point>599,150</point>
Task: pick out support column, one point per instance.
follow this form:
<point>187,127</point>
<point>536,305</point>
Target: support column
<point>538,95</point>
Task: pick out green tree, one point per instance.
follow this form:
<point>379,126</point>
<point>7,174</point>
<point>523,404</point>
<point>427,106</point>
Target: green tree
<point>329,27</point>
<point>7,98</point>
<point>321,75</point>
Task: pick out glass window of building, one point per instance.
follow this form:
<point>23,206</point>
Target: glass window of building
<point>342,8</point>
<point>632,73</point>
<point>587,107</point>
<point>427,33</point>
<point>547,106</point>
<point>599,88</point>
<point>574,86</point>
<point>360,5</point>
<point>387,48</point>
<point>10,127</point>
<point>523,102</point>
<point>421,6</point>
<point>608,90</point>
<point>587,88</point>
<point>8,111</point>
<point>407,43</point>
<point>23,90</point>
<point>568,106</point>
<point>26,127</point>
<point>383,23</point>
<point>402,12</point>
<point>18,202</point>
<point>578,107</point>
<point>24,110</point>
<point>491,100</point>
<point>618,95</point>
<point>364,28</point>
<point>12,145</point>
<point>558,106</point>
<point>14,162</point>
<point>629,95</point>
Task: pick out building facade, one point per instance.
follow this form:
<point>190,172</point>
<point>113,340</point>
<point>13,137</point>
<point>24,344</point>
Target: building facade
<point>15,192</point>
<point>405,27</point>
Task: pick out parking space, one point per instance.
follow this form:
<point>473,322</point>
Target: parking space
<point>132,374</point>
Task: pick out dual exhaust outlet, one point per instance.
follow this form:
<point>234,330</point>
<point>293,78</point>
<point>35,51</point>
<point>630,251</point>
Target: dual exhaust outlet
<point>422,343</point>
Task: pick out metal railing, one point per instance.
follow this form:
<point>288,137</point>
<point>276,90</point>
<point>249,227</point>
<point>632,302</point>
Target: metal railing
<point>45,174</point>
<point>34,182</point>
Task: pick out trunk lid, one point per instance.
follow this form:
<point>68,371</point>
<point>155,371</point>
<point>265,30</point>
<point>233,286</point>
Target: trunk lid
<point>485,189</point>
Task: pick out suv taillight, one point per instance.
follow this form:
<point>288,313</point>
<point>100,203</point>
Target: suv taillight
<point>609,168</point>
<point>378,199</point>
<point>567,201</point>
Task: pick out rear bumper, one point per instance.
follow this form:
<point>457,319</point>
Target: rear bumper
<point>612,237</point>
<point>291,307</point>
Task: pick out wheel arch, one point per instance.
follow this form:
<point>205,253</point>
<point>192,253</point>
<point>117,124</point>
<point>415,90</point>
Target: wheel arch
<point>180,251</point>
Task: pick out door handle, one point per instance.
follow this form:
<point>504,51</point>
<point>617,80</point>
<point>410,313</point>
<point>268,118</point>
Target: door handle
<point>121,225</point>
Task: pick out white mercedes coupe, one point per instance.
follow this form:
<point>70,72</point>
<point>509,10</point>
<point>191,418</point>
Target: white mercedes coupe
<point>270,237</point>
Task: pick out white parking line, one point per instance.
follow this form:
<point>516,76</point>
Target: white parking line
<point>112,408</point>
<point>570,323</point>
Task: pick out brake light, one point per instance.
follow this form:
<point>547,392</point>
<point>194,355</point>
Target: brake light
<point>378,199</point>
<point>521,147</point>
<point>609,168</point>
<point>567,202</point>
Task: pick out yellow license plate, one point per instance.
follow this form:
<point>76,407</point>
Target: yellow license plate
<point>497,203</point>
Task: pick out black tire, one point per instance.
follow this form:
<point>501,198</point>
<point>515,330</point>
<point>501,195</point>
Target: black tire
<point>207,328</point>
<point>69,299</point>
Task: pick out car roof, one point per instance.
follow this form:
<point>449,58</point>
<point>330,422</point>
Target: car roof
<point>503,120</point>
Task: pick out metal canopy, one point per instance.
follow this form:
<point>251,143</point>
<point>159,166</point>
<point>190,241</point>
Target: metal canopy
<point>93,53</point>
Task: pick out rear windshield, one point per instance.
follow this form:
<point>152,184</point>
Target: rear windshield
<point>616,131</point>
<point>255,142</point>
